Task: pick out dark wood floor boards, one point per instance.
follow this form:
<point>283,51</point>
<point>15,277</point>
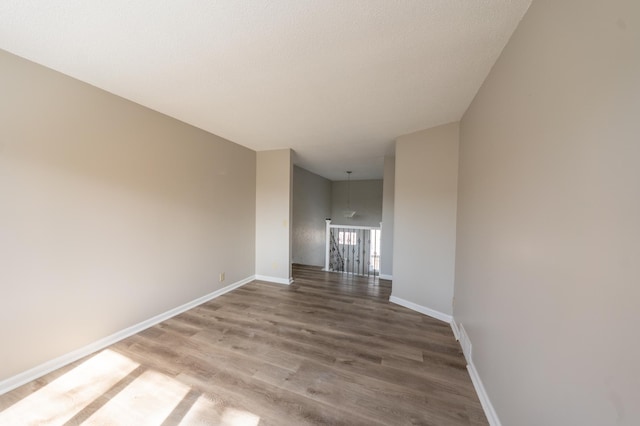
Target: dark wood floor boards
<point>329,349</point>
<point>349,349</point>
<point>354,319</point>
<point>341,327</point>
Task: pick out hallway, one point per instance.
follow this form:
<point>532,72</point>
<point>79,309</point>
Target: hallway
<point>329,349</point>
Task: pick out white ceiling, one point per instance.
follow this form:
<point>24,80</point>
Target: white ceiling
<point>336,80</point>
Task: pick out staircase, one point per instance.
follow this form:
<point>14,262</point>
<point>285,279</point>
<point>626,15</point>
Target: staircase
<point>353,249</point>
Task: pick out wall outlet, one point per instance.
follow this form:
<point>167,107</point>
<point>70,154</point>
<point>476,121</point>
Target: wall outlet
<point>221,276</point>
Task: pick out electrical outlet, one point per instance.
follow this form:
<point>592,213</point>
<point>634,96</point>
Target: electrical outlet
<point>221,276</point>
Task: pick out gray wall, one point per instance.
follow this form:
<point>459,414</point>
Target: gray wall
<point>425,217</point>
<point>366,200</point>
<point>548,271</point>
<point>274,178</point>
<point>311,206</point>
<point>110,214</point>
<point>388,195</point>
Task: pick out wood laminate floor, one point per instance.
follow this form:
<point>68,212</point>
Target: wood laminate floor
<point>329,349</point>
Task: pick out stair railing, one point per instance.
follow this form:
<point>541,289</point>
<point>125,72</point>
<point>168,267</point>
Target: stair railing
<point>352,249</point>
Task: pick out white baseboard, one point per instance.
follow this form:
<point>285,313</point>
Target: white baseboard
<point>51,365</point>
<point>454,328</point>
<point>489,411</point>
<point>465,343</point>
<point>422,309</point>
<point>386,277</point>
<point>285,281</point>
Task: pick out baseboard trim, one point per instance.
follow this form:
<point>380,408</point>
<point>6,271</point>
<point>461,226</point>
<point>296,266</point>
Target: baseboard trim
<point>422,309</point>
<point>386,277</point>
<point>454,328</point>
<point>51,365</point>
<point>285,281</point>
<point>465,344</point>
<point>489,411</point>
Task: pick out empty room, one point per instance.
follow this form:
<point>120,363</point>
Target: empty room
<point>301,212</point>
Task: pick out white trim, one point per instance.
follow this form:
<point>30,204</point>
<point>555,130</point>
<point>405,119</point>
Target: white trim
<point>386,277</point>
<point>465,344</point>
<point>422,309</point>
<point>327,244</point>
<point>51,365</point>
<point>354,227</point>
<point>454,328</point>
<point>489,411</point>
<point>285,281</point>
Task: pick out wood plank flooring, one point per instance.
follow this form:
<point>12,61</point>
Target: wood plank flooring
<point>329,349</point>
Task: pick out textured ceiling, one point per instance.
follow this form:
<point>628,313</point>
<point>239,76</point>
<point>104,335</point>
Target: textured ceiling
<point>336,80</point>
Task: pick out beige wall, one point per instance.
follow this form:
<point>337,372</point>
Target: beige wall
<point>311,206</point>
<point>366,200</point>
<point>388,188</point>
<point>548,270</point>
<point>110,214</point>
<point>426,171</point>
<point>274,175</point>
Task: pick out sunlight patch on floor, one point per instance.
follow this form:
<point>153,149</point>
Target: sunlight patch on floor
<point>234,417</point>
<point>67,395</point>
<point>204,411</point>
<point>148,400</point>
